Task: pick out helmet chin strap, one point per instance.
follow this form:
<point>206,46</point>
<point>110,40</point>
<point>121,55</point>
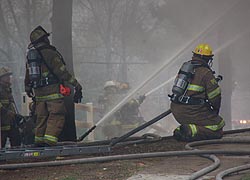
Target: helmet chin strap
<point>210,62</point>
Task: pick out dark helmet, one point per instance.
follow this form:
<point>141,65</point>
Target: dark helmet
<point>38,34</point>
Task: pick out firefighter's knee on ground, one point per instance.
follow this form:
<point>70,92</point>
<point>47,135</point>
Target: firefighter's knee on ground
<point>183,133</point>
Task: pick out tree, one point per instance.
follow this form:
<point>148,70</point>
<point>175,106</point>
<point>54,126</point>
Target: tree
<point>117,28</point>
<point>17,18</point>
<point>62,39</point>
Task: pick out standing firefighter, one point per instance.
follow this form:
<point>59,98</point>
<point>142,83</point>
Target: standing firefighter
<point>45,79</point>
<point>9,116</point>
<point>196,98</point>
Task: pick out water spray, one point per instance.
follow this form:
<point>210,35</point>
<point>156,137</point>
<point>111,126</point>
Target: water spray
<point>167,63</point>
<point>229,42</point>
<point>225,45</point>
<point>160,86</point>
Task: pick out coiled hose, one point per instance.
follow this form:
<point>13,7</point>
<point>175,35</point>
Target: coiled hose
<point>216,163</point>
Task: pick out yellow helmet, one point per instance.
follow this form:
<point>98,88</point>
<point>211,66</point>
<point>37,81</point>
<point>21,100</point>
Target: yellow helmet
<point>203,49</point>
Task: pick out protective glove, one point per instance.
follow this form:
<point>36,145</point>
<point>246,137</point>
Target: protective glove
<point>78,93</point>
<point>29,91</point>
<point>219,78</point>
<point>141,98</point>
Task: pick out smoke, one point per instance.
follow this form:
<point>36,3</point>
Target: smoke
<point>143,43</point>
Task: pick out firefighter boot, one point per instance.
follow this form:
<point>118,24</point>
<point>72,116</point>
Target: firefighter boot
<point>183,133</point>
<point>186,132</point>
<point>178,135</point>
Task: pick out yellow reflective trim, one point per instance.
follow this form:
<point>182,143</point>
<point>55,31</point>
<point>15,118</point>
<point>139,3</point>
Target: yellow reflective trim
<point>49,97</point>
<point>193,87</point>
<point>178,128</point>
<point>214,93</point>
<point>72,80</point>
<point>50,138</point>
<point>45,74</point>
<point>38,139</point>
<point>193,129</point>
<point>5,128</point>
<point>1,105</point>
<point>213,81</point>
<point>5,101</point>
<point>216,127</point>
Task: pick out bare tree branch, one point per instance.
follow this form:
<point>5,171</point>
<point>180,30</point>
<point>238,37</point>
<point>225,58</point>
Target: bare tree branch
<point>86,6</point>
<point>14,18</point>
<point>98,23</point>
<point>5,54</point>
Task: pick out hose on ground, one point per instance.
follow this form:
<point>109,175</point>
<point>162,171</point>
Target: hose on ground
<point>232,170</point>
<point>205,170</point>
<point>236,140</point>
<point>123,157</point>
<point>149,155</point>
<point>216,163</point>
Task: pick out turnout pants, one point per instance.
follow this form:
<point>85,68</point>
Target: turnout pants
<point>14,137</point>
<point>50,121</point>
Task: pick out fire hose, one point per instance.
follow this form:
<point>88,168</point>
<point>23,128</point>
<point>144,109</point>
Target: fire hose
<point>216,163</point>
<point>143,155</point>
<point>232,170</point>
<point>124,157</point>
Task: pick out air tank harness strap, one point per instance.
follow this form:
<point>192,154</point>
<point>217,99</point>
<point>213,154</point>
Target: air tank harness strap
<point>191,100</point>
<point>48,81</point>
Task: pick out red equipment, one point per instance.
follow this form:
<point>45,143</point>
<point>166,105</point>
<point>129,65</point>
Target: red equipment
<point>64,90</point>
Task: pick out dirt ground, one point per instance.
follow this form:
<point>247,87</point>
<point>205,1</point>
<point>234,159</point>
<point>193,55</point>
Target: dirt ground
<point>122,170</point>
<point>116,170</point>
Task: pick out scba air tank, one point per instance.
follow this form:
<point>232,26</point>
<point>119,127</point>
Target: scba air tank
<point>183,78</point>
<point>34,66</point>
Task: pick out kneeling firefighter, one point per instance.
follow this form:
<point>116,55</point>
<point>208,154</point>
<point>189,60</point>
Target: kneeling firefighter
<point>196,98</point>
<point>45,79</point>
